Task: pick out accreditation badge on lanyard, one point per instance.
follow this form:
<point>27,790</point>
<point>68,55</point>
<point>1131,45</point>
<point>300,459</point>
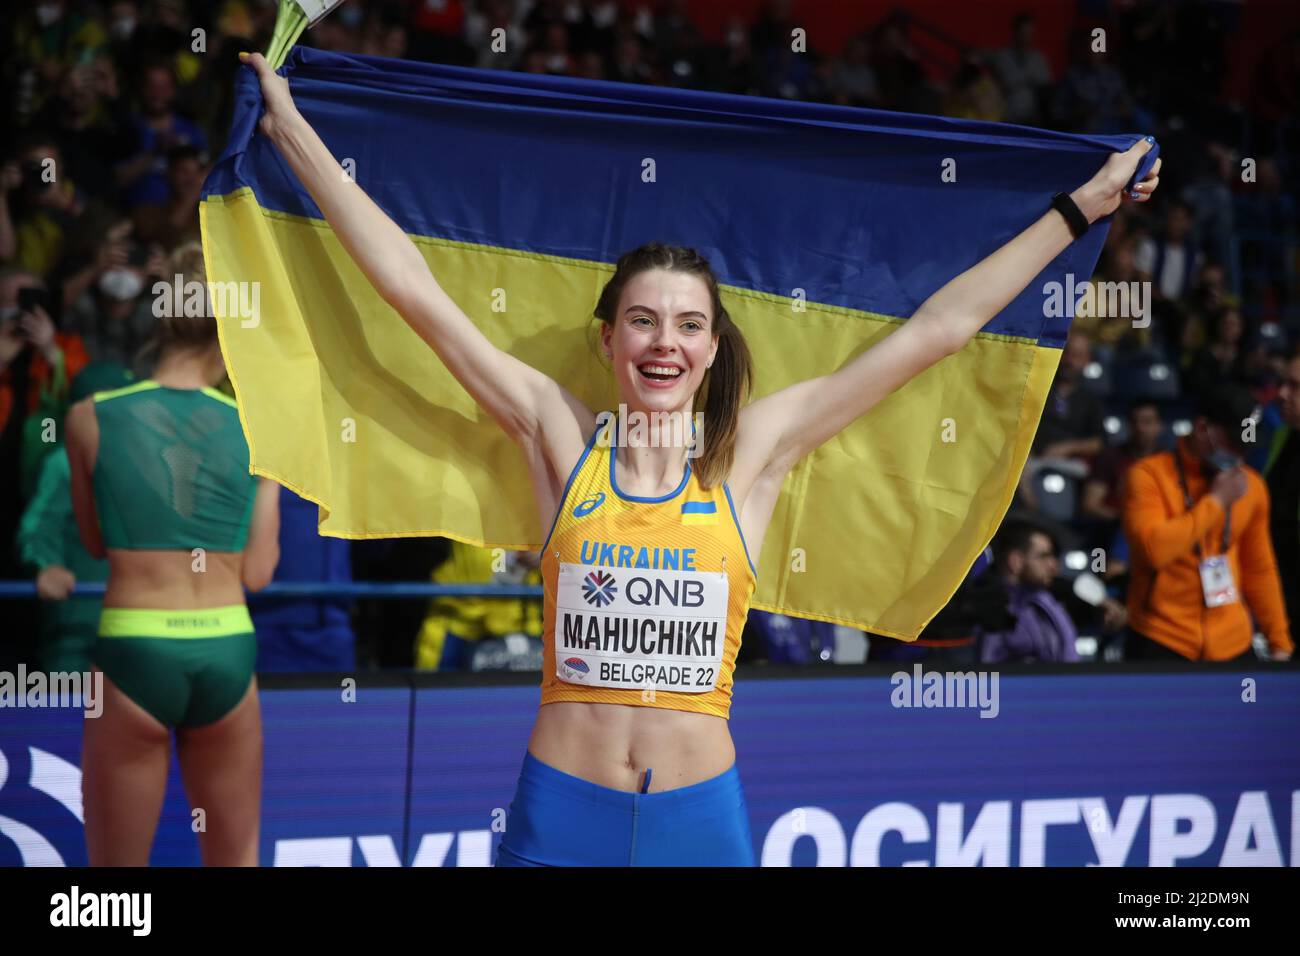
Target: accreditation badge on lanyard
<point>1217,586</point>
<point>1216,581</point>
<point>640,628</point>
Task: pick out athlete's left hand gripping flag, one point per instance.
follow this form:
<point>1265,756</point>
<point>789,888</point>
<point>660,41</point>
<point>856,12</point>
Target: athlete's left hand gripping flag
<point>828,227</point>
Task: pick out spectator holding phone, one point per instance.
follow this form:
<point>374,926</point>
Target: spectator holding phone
<point>38,205</point>
<point>1197,523</point>
<point>36,362</point>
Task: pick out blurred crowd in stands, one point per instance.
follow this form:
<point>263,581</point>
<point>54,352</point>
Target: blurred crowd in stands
<point>113,111</point>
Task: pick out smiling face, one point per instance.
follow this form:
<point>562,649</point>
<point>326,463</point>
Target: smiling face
<point>661,340</point>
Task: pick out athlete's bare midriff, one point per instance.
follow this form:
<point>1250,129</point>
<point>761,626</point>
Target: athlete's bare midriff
<point>174,580</point>
<point>613,744</point>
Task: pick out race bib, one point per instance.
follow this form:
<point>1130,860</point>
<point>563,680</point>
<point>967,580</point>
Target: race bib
<point>640,629</point>
<point>1216,581</point>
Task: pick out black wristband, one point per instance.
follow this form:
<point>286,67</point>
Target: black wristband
<point>1074,216</point>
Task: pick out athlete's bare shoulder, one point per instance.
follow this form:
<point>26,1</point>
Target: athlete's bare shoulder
<point>752,453</point>
<point>565,423</point>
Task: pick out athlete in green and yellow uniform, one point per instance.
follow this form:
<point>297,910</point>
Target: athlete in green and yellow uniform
<point>172,474</point>
<point>161,486</point>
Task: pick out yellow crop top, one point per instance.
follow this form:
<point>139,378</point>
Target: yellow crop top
<point>645,598</point>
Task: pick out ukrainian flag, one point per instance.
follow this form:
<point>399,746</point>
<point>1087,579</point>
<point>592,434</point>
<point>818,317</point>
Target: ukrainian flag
<point>827,225</point>
<point>699,512</point>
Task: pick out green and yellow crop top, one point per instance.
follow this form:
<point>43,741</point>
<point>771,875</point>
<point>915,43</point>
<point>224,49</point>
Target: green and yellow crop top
<point>172,470</point>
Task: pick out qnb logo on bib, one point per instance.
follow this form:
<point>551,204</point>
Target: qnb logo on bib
<point>587,505</point>
<point>598,588</point>
<point>657,629</point>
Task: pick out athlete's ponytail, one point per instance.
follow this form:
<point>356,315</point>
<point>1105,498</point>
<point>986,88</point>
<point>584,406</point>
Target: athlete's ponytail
<point>182,327</point>
<point>726,383</point>
<point>724,390</point>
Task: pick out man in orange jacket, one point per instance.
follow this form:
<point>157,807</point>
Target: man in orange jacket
<point>1197,522</point>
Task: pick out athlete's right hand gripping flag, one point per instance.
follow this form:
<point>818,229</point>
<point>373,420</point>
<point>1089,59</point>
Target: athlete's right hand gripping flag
<point>828,226</point>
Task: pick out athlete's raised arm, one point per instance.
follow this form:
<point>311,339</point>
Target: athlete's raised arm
<point>779,429</point>
<point>532,408</point>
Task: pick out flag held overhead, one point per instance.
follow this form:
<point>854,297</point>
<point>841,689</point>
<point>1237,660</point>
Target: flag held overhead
<point>827,226</point>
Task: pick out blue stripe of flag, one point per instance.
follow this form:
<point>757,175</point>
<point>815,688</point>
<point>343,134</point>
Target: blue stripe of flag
<point>875,169</point>
<point>699,507</point>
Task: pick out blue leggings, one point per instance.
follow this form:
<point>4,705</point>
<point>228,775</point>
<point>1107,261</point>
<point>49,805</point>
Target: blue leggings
<point>557,819</point>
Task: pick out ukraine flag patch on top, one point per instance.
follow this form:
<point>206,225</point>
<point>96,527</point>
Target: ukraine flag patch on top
<point>699,512</point>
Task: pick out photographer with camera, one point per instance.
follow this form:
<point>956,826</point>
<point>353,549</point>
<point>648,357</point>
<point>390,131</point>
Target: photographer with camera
<point>38,205</point>
<point>1197,521</point>
<point>36,363</point>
